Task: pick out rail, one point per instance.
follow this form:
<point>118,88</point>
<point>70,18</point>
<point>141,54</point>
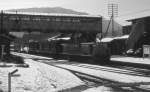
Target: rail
<point>107,82</point>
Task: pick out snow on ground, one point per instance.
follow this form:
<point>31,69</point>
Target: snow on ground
<point>29,56</point>
<point>99,89</point>
<point>119,77</point>
<point>101,73</point>
<point>131,59</point>
<point>38,77</point>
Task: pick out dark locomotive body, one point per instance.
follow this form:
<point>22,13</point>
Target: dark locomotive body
<point>69,46</point>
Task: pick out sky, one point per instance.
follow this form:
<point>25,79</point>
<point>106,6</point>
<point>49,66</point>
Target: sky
<point>93,7</point>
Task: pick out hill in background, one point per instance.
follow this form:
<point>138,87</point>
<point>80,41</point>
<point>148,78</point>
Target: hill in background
<point>58,10</point>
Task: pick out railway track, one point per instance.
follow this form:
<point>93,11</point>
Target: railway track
<point>111,68</point>
<point>123,69</point>
<point>92,80</point>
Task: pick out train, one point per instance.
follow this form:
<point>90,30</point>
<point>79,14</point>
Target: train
<point>82,45</point>
<point>79,46</point>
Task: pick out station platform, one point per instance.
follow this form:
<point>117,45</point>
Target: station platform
<point>136,61</point>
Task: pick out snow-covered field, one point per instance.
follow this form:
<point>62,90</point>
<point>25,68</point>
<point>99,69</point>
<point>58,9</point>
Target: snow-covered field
<point>118,77</point>
<point>134,60</point>
<point>41,77</point>
<point>38,77</point>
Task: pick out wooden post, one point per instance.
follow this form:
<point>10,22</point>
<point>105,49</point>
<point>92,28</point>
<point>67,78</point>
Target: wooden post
<point>2,52</point>
<point>9,82</point>
<point>9,79</point>
<point>1,30</point>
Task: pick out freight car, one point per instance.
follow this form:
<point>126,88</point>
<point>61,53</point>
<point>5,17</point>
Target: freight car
<point>78,46</point>
<point>139,36</point>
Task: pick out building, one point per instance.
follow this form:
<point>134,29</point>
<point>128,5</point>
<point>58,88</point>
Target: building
<point>140,33</point>
<point>126,29</point>
<point>27,22</point>
<point>5,41</point>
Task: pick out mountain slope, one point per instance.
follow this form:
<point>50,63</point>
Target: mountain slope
<point>48,10</point>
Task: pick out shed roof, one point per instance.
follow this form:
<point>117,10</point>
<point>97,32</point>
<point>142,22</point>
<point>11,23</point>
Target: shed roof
<point>113,38</point>
<point>52,14</point>
<point>139,15</point>
<point>39,37</point>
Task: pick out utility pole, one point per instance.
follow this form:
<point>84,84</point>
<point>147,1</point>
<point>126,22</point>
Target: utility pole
<point>113,12</point>
<point>1,30</point>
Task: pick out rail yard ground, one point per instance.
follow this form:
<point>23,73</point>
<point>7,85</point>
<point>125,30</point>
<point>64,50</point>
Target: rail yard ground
<point>50,75</point>
<point>38,77</point>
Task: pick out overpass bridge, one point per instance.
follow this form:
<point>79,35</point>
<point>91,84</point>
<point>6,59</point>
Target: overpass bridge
<point>42,22</point>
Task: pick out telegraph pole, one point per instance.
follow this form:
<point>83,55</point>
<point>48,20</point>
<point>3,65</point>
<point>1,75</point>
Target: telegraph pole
<point>1,30</point>
<point>113,12</point>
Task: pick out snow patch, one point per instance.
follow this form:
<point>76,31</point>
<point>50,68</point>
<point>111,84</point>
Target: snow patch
<point>38,77</point>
